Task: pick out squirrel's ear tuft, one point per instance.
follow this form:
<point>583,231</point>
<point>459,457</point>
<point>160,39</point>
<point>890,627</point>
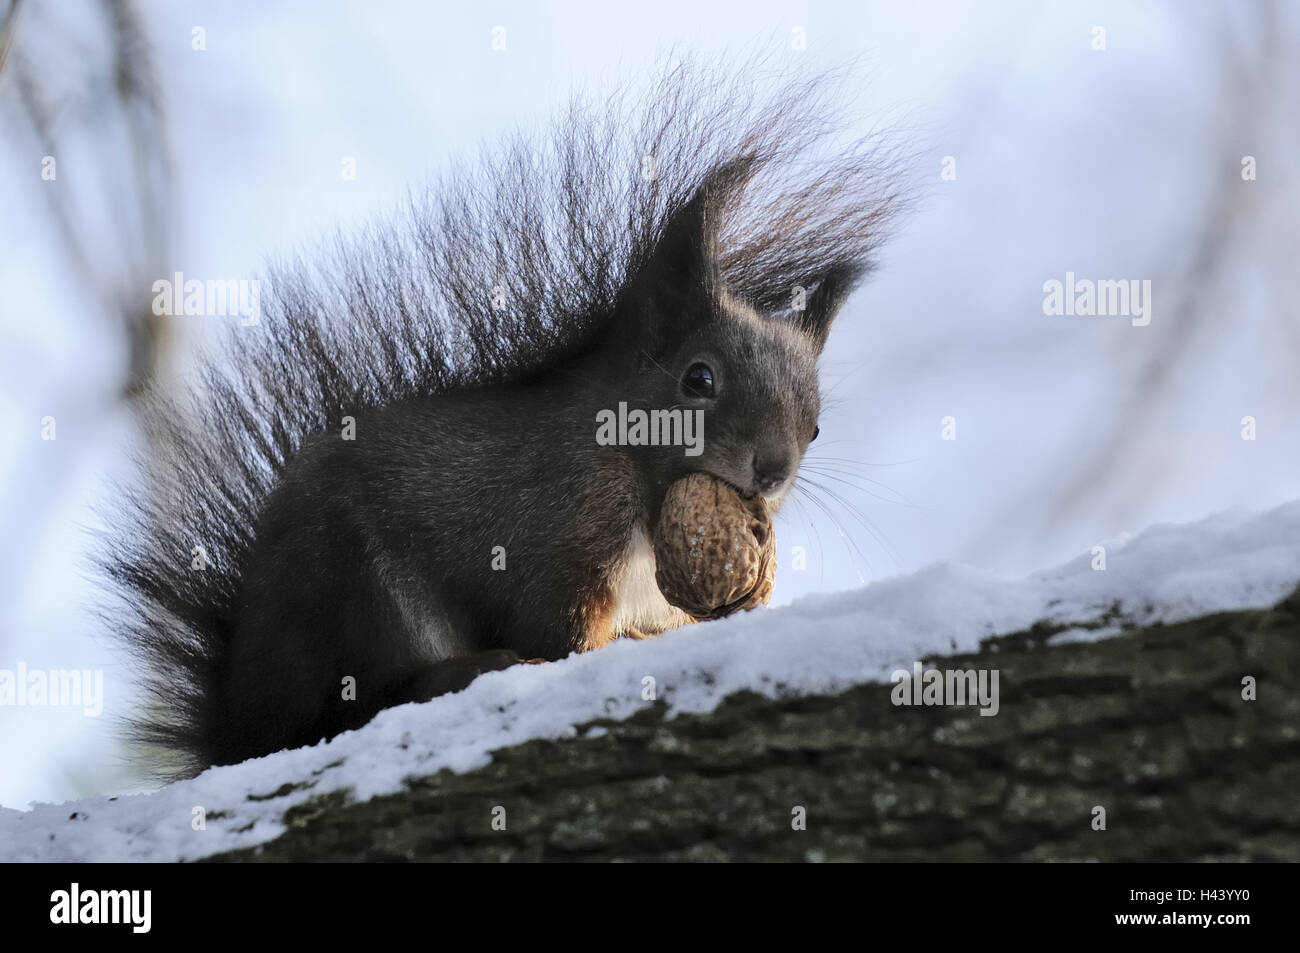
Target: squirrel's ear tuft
<point>833,288</point>
<point>680,273</point>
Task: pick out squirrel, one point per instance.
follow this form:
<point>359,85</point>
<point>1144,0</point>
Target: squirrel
<point>392,480</point>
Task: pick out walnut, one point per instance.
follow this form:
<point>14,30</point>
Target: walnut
<point>715,552</point>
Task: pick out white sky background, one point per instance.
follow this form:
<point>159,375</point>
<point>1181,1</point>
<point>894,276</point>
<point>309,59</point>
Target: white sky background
<point>1108,164</point>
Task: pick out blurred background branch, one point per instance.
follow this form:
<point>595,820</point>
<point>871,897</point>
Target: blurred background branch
<point>1201,261</point>
<point>105,91</point>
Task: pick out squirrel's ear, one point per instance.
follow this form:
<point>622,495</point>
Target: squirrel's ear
<point>825,301</point>
<point>682,269</point>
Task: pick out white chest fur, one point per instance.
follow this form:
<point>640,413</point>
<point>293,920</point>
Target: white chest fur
<point>638,603</point>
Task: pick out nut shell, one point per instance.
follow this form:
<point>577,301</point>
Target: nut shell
<point>715,551</point>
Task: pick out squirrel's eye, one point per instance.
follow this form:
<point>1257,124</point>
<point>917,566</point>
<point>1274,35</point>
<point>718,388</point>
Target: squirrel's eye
<point>698,380</point>
<point>816,432</point>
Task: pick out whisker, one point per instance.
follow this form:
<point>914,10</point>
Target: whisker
<point>816,535</point>
<point>849,542</point>
<point>856,513</point>
<point>848,478</point>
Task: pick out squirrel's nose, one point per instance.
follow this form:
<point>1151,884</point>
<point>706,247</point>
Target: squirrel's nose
<point>770,471</point>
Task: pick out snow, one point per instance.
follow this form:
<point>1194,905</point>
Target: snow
<point>819,644</point>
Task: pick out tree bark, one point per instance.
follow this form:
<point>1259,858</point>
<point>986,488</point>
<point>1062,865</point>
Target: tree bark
<point>1150,725</point>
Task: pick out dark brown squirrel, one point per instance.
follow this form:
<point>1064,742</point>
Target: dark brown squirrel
<point>392,480</point>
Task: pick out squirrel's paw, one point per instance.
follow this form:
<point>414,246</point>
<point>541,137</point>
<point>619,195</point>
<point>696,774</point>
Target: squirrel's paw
<point>454,674</point>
